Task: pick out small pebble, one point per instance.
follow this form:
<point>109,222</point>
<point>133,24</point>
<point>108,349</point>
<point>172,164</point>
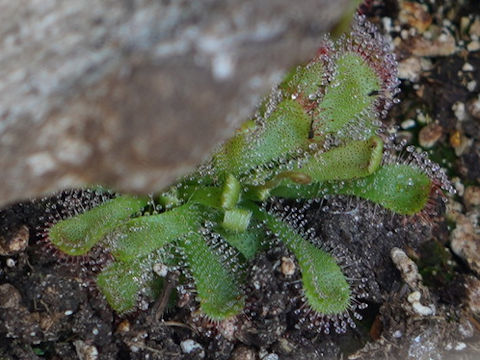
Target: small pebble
<point>455,139</point>
<point>387,24</point>
<point>414,296</point>
<point>414,299</point>
<point>459,111</point>
<point>415,14</point>
<point>475,27</point>
<point>472,196</point>
<point>286,346</point>
<point>444,45</point>
<point>85,351</point>
<point>9,297</point>
<point>134,348</point>
<point>243,353</point>
<point>407,267</point>
<point>423,310</point>
<point>189,346</point>
<point>10,263</point>
<point>473,107</point>
<point>228,328</point>
<point>453,210</point>
<point>397,334</point>
<point>472,85</point>
<point>465,242</point>
<point>459,187</point>
<point>15,243</point>
<point>288,266</point>
<point>429,135</point>
<point>460,142</point>
<point>467,67</point>
<point>423,118</point>
<point>466,329</point>
<point>410,69</point>
<point>123,327</point>
<point>464,23</point>
<point>408,124</point>
<point>473,46</point>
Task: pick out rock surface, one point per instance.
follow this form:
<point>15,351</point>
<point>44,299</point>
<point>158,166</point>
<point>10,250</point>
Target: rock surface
<point>134,93</point>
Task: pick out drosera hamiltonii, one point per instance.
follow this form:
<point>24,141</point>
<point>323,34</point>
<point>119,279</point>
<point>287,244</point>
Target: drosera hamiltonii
<point>318,134</point>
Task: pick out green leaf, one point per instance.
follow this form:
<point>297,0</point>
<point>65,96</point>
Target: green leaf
<point>77,235</point>
<point>304,80</point>
<point>208,196</point>
<point>347,97</point>
<point>324,284</point>
<point>217,289</point>
<point>169,199</point>
<point>353,160</point>
<point>248,243</point>
<point>402,188</point>
<point>236,220</point>
<point>121,282</point>
<point>231,192</point>
<point>141,236</point>
<point>284,131</point>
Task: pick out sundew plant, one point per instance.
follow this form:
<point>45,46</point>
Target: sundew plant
<point>319,133</point>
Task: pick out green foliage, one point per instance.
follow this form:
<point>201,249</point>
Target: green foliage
<point>217,288</point>
<point>120,282</point>
<point>264,142</point>
<point>317,134</point>
<point>324,285</point>
<point>400,188</point>
<point>348,95</point>
<point>77,235</point>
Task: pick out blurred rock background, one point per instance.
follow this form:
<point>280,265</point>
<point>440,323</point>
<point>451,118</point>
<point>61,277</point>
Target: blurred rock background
<point>133,93</point>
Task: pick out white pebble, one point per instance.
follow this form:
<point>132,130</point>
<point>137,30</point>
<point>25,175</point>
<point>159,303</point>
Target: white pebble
<point>423,310</point>
<point>85,351</point>
<point>397,334</point>
<point>459,111</point>
<point>10,263</point>
<point>414,299</point>
<point>471,85</point>
<point>414,296</point>
<point>188,346</point>
<point>407,124</point>
<point>473,46</point>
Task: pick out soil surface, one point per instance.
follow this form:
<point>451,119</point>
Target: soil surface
<point>423,298</point>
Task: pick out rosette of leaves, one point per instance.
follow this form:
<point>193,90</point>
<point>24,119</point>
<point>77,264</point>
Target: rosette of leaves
<point>317,134</point>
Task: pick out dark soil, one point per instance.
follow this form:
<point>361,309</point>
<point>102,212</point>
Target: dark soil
<point>50,309</point>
